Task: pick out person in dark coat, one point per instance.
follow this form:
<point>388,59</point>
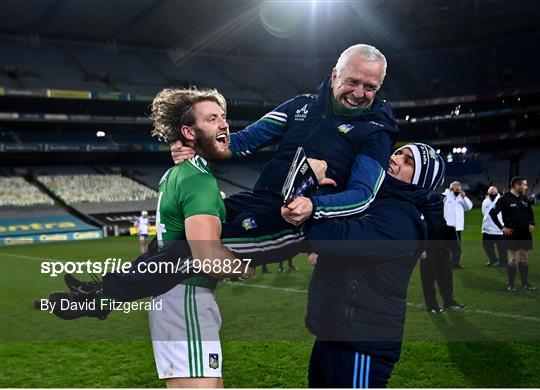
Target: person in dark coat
<point>358,291</point>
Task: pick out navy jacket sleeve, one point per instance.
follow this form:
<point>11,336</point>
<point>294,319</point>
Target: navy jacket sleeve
<point>266,131</point>
<point>393,235</point>
<point>367,175</point>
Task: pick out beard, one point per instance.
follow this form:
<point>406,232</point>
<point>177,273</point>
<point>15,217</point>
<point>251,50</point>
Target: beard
<point>206,147</point>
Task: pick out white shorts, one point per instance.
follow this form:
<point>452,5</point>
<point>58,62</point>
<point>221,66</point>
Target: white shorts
<point>185,333</point>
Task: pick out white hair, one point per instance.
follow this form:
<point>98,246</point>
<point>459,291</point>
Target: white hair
<point>455,184</point>
<point>368,53</point>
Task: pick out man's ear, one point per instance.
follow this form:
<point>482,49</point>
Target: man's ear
<point>333,78</point>
<point>188,132</point>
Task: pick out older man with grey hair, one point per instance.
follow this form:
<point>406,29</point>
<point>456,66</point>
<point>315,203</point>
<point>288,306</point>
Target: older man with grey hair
<point>344,124</point>
<point>455,205</point>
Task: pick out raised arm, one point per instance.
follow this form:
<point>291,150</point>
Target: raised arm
<point>367,175</point>
<point>266,131</point>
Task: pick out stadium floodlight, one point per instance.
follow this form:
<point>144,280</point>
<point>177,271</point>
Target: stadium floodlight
<point>406,117</point>
<point>438,151</point>
<point>282,19</point>
<point>100,134</point>
<point>454,150</point>
<point>464,150</point>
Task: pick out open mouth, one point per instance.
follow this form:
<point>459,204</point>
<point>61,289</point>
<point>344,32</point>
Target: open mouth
<point>222,138</point>
<point>351,102</point>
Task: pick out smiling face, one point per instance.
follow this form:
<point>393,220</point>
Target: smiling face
<point>211,131</point>
<point>357,83</point>
<point>401,166</point>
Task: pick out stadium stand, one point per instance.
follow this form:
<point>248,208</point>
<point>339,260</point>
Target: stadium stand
<point>74,189</point>
<point>232,176</point>
<point>530,169</point>
<point>29,215</point>
<point>16,191</point>
<point>147,173</point>
<point>97,67</point>
<point>237,174</point>
<point>61,170</point>
<point>132,137</point>
<point>497,173</point>
<point>53,70</point>
<point>66,137</point>
<point>104,207</point>
<point>7,137</point>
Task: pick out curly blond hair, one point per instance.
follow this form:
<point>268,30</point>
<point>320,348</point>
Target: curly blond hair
<point>173,108</point>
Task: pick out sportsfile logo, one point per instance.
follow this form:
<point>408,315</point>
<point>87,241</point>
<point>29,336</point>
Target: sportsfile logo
<point>301,113</point>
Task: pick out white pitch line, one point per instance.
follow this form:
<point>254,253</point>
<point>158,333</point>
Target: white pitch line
<point>295,290</point>
<point>284,289</point>
<point>416,305</point>
<point>28,257</point>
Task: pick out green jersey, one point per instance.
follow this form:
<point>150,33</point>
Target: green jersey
<point>185,190</point>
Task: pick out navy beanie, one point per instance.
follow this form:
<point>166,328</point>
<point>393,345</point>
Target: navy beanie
<point>428,166</point>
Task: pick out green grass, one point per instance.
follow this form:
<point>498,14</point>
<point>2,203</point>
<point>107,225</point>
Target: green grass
<point>495,343</point>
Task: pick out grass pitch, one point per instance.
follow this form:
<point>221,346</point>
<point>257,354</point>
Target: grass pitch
<point>494,343</point>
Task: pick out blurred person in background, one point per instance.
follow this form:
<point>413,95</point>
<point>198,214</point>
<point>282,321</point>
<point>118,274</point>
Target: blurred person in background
<point>518,225</point>
<point>492,235</point>
<point>141,223</point>
<point>455,205</point>
<point>435,268</point>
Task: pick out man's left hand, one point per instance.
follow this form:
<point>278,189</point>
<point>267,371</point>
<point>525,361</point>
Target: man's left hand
<point>298,211</point>
<point>531,228</point>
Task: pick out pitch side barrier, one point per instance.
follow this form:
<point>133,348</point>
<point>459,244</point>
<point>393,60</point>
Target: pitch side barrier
<point>34,230</point>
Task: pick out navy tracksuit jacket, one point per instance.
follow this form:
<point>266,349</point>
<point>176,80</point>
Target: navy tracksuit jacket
<point>357,294</point>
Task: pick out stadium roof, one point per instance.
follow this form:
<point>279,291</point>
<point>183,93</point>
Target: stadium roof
<point>314,28</point>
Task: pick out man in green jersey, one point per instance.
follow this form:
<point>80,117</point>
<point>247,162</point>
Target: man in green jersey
<point>185,332</point>
<point>185,321</point>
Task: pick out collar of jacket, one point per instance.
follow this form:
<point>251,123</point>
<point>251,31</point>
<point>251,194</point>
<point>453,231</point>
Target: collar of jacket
<point>427,202</point>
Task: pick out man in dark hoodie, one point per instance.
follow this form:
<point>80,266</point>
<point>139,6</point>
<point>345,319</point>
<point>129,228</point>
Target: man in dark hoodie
<point>357,295</point>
